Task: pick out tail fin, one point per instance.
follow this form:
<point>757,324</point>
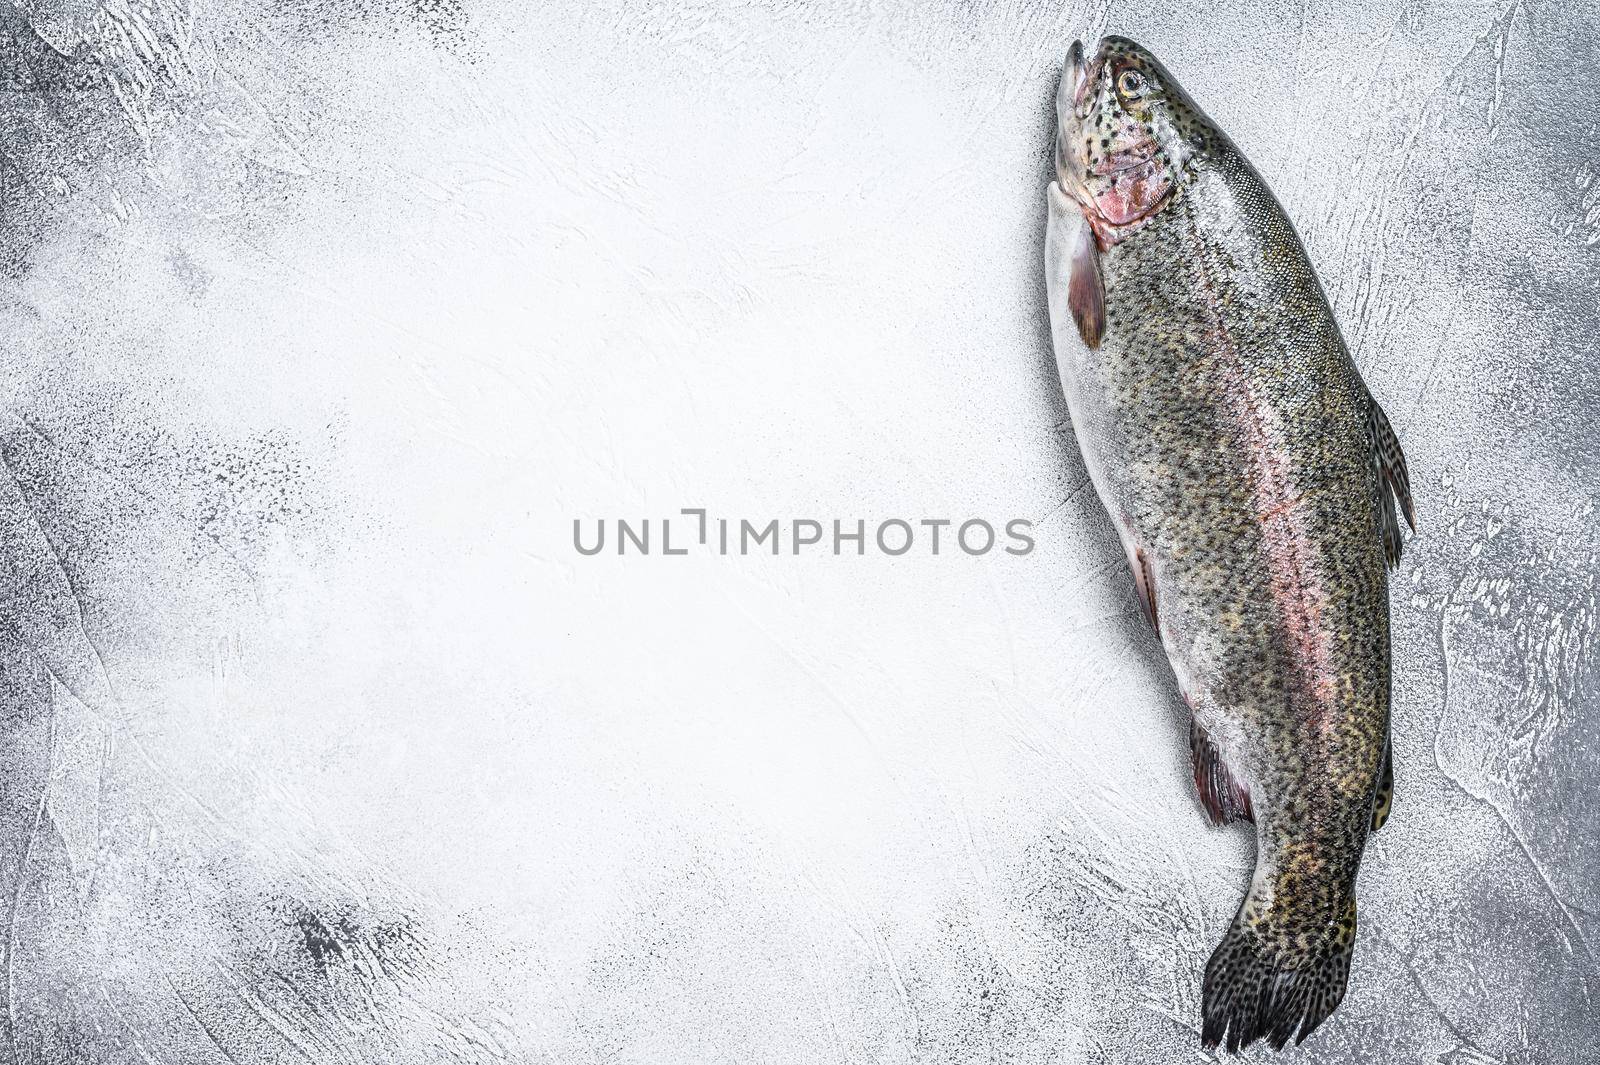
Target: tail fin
<point>1261,985</point>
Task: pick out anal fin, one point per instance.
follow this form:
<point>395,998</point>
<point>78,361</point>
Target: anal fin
<point>1221,793</point>
<point>1383,801</point>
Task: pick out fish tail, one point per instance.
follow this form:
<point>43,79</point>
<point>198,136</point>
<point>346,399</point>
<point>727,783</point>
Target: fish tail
<point>1274,977</point>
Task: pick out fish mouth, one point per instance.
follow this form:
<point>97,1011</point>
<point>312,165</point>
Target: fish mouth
<point>1072,105</point>
<point>1082,74</point>
<point>1072,73</point>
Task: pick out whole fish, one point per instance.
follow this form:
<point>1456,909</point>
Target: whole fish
<point>1253,481</point>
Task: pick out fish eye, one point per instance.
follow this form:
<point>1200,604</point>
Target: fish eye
<point>1130,83</point>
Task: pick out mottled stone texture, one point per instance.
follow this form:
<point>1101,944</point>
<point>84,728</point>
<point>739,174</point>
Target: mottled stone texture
<point>323,321</point>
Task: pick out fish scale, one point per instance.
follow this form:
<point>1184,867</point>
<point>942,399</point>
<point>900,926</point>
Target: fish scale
<point>1248,472</point>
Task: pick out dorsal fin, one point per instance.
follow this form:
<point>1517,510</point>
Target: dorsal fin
<point>1394,483</point>
<point>1383,801</point>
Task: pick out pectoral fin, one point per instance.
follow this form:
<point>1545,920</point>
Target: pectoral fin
<point>1086,294</point>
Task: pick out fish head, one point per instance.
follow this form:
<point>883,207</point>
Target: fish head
<point>1125,134</point>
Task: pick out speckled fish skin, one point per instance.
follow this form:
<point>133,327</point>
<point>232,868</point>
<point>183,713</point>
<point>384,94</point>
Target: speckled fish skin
<point>1249,474</point>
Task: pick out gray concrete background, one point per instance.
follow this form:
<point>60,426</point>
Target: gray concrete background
<point>323,321</point>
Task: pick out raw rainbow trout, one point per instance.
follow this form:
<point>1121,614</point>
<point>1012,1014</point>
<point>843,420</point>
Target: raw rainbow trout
<point>1254,484</point>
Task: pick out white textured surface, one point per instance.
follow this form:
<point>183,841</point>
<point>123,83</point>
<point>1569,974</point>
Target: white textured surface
<point>322,322</point>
